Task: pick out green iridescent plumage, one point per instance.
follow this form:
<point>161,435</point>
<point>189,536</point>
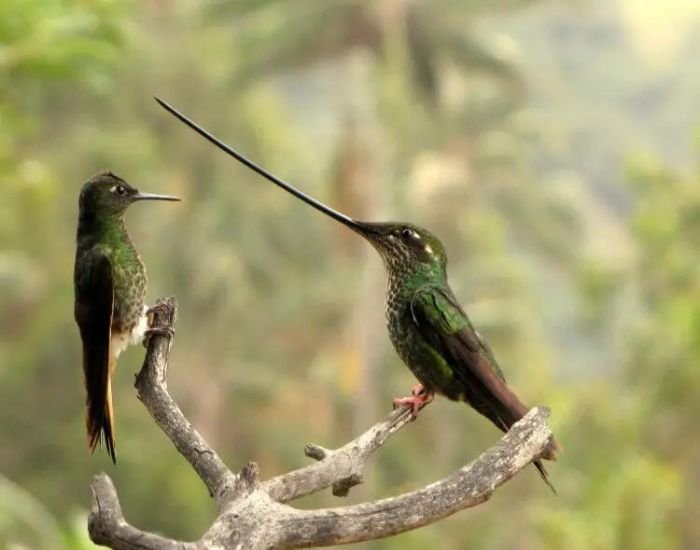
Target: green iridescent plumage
<point>110,287</point>
<point>428,328</point>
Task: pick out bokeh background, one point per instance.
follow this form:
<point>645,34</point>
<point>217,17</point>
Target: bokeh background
<point>553,147</point>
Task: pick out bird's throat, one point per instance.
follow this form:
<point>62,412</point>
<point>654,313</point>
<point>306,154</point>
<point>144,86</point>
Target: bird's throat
<point>107,230</point>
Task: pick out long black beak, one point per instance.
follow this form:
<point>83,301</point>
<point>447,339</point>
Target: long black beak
<point>154,197</point>
<point>353,224</point>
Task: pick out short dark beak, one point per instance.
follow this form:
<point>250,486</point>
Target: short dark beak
<point>154,197</point>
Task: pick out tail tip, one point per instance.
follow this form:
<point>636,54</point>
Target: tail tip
<point>95,436</point>
<point>544,475</point>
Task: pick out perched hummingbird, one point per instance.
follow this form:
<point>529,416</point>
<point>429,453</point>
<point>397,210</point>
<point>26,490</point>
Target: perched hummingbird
<point>428,328</point>
<point>110,285</point>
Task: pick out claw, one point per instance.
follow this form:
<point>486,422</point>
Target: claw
<point>165,309</point>
<point>162,331</point>
<point>165,330</point>
<point>419,398</point>
<point>160,307</point>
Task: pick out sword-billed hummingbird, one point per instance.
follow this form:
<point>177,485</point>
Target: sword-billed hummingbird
<point>428,328</point>
<point>110,286</point>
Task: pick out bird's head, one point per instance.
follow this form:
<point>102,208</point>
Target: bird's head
<point>106,194</point>
<point>402,246</point>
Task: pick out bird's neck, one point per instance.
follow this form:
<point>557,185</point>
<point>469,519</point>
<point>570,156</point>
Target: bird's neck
<point>109,230</point>
<point>403,283</point>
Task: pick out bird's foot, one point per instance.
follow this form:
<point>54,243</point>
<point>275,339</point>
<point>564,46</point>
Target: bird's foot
<point>418,399</point>
<point>161,331</point>
<point>162,307</point>
<point>159,311</point>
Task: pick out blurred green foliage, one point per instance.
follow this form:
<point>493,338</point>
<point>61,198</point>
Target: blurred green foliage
<point>550,155</point>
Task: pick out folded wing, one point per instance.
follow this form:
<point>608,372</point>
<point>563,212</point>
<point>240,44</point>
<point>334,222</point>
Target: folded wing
<point>448,329</point>
<point>93,313</point>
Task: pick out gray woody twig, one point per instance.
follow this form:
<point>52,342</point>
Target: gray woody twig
<point>253,514</point>
<point>151,385</point>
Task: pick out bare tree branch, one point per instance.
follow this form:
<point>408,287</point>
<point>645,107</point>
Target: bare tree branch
<point>107,526</point>
<point>341,468</point>
<point>152,389</point>
<point>467,487</point>
<point>252,514</point>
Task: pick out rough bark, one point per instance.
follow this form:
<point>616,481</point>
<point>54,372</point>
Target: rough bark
<point>253,514</point>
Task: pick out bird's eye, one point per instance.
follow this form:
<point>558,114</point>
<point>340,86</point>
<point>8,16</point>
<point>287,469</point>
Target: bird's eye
<point>407,233</point>
<point>119,190</point>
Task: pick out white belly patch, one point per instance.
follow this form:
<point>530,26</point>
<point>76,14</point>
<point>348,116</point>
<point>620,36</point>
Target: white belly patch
<point>120,342</point>
<point>139,331</point>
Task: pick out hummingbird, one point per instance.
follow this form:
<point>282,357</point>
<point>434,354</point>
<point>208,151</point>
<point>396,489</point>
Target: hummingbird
<point>427,326</point>
<point>110,285</point>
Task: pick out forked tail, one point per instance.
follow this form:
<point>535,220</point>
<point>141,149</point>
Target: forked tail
<point>99,417</point>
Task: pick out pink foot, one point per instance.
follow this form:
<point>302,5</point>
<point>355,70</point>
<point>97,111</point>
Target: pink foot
<point>419,398</point>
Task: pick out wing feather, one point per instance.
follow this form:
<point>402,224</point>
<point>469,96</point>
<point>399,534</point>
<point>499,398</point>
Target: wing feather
<point>448,329</point>
<point>93,313</point>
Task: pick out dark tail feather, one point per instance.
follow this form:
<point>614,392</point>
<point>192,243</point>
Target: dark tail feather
<point>543,474</point>
<point>487,392</point>
<point>550,453</point>
<point>99,421</point>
